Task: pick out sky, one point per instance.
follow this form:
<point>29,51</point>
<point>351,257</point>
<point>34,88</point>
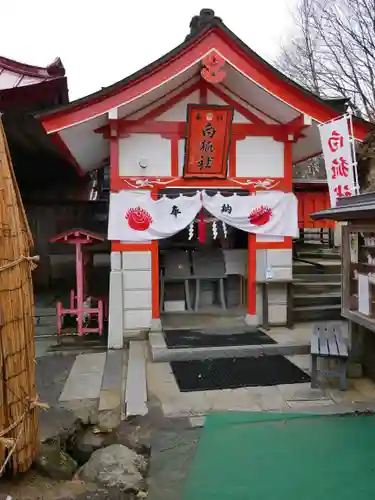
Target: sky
<point>101,42</point>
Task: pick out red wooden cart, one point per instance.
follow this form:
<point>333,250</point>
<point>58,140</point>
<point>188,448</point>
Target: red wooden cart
<point>79,300</point>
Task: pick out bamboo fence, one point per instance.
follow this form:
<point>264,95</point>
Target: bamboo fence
<point>18,399</point>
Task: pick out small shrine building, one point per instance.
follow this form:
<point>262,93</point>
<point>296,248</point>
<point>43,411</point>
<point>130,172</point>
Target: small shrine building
<point>201,145</point>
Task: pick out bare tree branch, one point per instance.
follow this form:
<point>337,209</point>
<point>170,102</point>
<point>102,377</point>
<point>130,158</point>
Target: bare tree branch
<point>333,51</point>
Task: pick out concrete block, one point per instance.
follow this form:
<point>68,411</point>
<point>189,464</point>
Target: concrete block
<point>277,294</point>
<point>137,299</point>
<point>261,264</point>
<point>136,260</point>
<point>160,354</point>
<point>115,321</point>
<point>136,382</point>
<point>137,280</point>
<point>137,319</point>
<point>116,261</point>
<point>279,258</point>
<point>277,313</point>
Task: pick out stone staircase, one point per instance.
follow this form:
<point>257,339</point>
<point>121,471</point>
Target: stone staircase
<point>317,293</point>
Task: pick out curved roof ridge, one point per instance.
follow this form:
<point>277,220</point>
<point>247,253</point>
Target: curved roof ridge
<point>53,70</point>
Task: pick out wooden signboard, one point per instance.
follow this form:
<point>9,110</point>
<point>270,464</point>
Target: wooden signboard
<point>207,142</point>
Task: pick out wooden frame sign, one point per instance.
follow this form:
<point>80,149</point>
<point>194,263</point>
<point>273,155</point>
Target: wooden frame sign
<point>208,140</point>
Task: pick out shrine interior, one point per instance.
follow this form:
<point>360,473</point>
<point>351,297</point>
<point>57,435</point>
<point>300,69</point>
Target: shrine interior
<point>203,268</point>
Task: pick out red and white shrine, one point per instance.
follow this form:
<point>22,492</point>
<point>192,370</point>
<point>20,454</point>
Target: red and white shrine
<point>201,145</point>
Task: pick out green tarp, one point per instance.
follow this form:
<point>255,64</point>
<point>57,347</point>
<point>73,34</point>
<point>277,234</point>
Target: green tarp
<point>273,456</point>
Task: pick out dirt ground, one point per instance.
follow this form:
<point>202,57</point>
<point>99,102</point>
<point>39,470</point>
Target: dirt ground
<point>173,444</point>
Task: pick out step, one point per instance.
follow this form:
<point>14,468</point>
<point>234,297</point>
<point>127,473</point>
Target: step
<point>328,267</point>
<point>317,313</point>
<point>319,255</point>
<point>82,387</point>
<point>316,278</point>
<point>161,353</point>
<point>317,299</point>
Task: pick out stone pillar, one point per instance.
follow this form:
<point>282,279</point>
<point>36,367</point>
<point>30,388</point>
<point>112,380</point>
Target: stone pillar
<point>280,263</point>
<point>137,292</point>
<point>115,320</point>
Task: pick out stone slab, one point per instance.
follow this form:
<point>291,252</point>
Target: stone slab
<point>110,398</point>
<point>85,378</point>
<point>136,382</point>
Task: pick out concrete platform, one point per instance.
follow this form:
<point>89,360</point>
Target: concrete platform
<point>161,353</point>
<point>289,342</point>
<point>290,397</point>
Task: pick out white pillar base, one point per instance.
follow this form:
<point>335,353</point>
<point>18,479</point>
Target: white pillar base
<point>251,320</point>
<point>156,325</point>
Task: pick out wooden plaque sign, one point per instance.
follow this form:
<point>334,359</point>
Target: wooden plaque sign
<point>207,142</point>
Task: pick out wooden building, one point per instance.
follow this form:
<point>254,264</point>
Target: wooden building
<point>357,213</point>
<point>55,194</point>
<point>139,125</point>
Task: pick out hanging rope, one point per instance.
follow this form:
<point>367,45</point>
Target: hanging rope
<point>33,261</point>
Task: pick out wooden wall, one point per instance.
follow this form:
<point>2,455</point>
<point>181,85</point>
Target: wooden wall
<point>57,261</point>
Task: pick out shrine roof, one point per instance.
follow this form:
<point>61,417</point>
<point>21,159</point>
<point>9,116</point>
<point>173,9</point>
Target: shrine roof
<point>199,27</point>
<point>249,80</point>
<point>17,74</point>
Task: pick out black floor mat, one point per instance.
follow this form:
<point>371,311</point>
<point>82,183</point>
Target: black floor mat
<point>201,338</point>
<point>232,373</point>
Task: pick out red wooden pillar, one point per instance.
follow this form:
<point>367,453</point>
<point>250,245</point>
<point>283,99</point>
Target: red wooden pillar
<point>155,271</point>
<point>251,270</point>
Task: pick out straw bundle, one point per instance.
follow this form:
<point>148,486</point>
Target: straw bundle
<point>18,400</point>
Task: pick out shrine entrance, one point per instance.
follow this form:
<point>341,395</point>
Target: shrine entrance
<point>203,271</point>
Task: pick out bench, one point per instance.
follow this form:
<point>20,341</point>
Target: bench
<point>327,341</point>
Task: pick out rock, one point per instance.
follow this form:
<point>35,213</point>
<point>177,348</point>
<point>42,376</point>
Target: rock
<point>116,466</point>
<point>86,441</point>
<point>136,437</point>
<point>55,463</point>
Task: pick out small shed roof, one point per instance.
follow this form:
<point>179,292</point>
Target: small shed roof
<point>351,208</point>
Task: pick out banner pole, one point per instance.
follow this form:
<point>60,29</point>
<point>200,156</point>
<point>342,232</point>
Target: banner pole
<point>354,157</point>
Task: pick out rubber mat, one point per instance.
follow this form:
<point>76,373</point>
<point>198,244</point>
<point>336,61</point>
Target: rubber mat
<point>221,338</point>
<point>232,373</point>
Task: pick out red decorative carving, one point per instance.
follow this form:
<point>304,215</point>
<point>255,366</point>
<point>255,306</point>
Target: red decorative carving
<point>138,219</point>
<point>212,70</point>
<point>260,216</point>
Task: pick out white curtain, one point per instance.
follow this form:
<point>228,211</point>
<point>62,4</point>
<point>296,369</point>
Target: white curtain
<point>134,216</point>
<point>272,213</point>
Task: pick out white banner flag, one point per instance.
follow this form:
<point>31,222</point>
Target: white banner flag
<point>338,158</point>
